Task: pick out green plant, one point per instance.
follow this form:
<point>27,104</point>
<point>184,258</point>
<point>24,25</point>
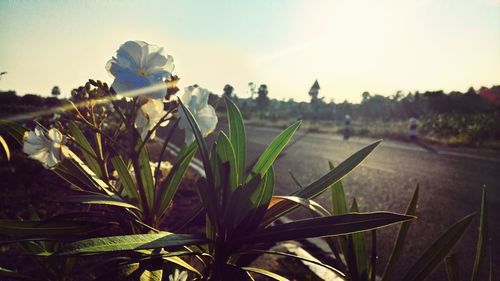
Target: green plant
<point>239,208</point>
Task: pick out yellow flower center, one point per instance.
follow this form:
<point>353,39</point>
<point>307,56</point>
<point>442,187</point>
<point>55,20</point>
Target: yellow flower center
<point>142,72</point>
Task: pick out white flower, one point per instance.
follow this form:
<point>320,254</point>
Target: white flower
<point>165,168</point>
<point>138,65</point>
<point>148,115</point>
<point>178,276</point>
<point>45,146</point>
<point>196,100</point>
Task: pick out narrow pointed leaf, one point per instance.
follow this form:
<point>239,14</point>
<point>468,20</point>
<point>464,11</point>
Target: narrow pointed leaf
<point>267,158</point>
<point>226,153</point>
<point>237,136</point>
<point>169,186</point>
<point>337,173</point>
<point>264,272</point>
<point>124,176</point>
<point>131,242</point>
<point>276,210</point>
<point>146,176</point>
<point>5,148</point>
<point>12,275</point>
<point>400,240</point>
<point>13,129</point>
<point>99,200</point>
<point>325,226</point>
<point>339,200</point>
<point>438,251</point>
<point>86,149</point>
<point>360,254</point>
<point>302,258</point>
<point>481,240</point>
<point>207,191</point>
<point>41,228</point>
<point>452,269</point>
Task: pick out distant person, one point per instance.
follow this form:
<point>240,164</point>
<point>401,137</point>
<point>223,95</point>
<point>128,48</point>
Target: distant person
<point>413,128</point>
<point>347,127</point>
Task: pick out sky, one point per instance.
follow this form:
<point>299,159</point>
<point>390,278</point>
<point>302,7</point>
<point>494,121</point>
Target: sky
<point>348,46</point>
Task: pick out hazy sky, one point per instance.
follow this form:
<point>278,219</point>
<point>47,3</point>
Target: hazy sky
<point>349,46</point>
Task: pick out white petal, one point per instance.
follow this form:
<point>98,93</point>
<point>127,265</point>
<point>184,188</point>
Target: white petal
<point>207,120</point>
<point>55,135</point>
<point>141,120</point>
<point>133,50</point>
<point>41,156</point>
<point>30,148</point>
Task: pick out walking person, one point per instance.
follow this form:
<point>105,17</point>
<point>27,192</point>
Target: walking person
<point>347,127</point>
<point>413,128</point>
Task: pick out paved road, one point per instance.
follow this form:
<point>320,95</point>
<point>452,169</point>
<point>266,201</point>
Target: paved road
<point>450,184</point>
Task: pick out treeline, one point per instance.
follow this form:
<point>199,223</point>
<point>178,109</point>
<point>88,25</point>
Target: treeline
<point>11,103</point>
<point>373,107</point>
<point>471,118</point>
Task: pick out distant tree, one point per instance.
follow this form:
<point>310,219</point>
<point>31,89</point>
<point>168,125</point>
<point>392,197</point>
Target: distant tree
<point>2,74</point>
<point>228,91</point>
<point>366,96</point>
<point>8,98</point>
<point>251,89</point>
<point>470,91</point>
<point>314,92</point>
<point>316,101</point>
<point>31,99</point>
<point>56,92</point>
<point>262,98</point>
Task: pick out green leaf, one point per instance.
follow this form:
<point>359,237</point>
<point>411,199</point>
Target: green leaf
<point>338,196</point>
<point>400,240</point>
<point>124,177</point>
<point>147,177</point>
<point>438,250</point>
<point>7,273</point>
<point>325,226</point>
<point>481,240</point>
<point>237,136</point>
<point>360,254</point>
<point>259,199</point>
<point>302,258</point>
<point>99,200</point>
<point>240,203</point>
<point>207,191</point>
<point>86,148</point>
<point>169,186</point>
<point>339,207</point>
<point>226,152</point>
<point>332,177</point>
<point>41,228</point>
<point>5,147</point>
<point>265,273</point>
<point>79,174</point>
<point>130,242</point>
<point>452,269</point>
<point>13,129</point>
<point>275,211</point>
<point>339,172</point>
<point>267,157</point>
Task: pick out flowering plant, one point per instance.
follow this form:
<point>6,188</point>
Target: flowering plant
<point>100,146</point>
